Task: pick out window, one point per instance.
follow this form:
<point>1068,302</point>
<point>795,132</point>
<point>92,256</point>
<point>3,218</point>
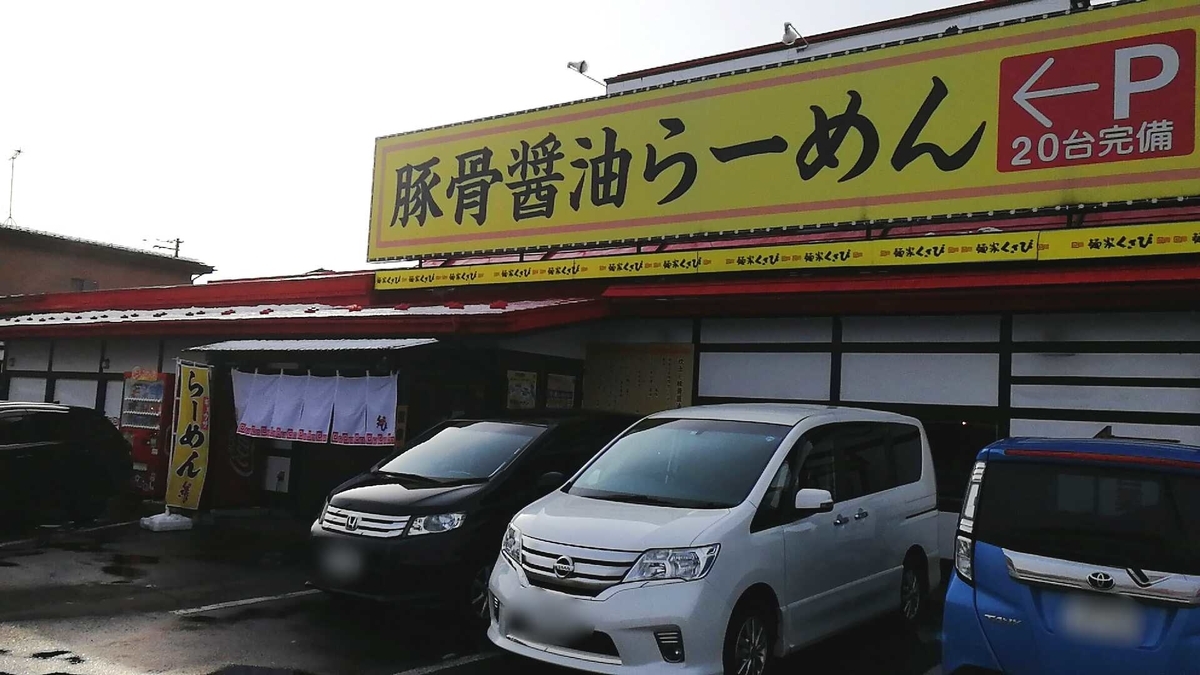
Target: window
<point>856,459</point>
<point>78,284</point>
<point>861,459</point>
<point>683,463</point>
<point>1119,517</point>
<point>818,468</point>
<point>906,453</point>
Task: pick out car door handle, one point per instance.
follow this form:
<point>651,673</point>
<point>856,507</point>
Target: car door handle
<point>861,514</point>
<point>840,520</point>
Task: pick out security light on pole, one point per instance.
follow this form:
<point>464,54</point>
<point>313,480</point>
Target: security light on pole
<point>581,67</point>
<point>791,36</point>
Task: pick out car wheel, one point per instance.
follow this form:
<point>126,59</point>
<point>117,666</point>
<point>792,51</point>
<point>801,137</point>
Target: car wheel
<point>914,592</point>
<point>749,641</point>
<point>477,594</point>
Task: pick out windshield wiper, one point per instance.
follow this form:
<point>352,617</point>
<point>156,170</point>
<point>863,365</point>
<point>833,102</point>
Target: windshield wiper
<point>409,477</point>
<point>463,481</point>
<point>660,501</point>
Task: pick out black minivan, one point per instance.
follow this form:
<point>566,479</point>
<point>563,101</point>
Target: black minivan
<point>59,463</point>
<point>424,525</point>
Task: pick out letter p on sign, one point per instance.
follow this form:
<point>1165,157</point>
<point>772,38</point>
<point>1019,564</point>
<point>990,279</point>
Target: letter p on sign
<point>1126,86</point>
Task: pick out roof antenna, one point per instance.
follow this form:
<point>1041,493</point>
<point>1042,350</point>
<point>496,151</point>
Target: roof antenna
<point>12,174</point>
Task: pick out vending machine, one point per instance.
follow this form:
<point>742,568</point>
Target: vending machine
<point>146,409</point>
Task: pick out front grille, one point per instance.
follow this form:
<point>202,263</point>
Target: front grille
<point>595,570</point>
<point>363,524</point>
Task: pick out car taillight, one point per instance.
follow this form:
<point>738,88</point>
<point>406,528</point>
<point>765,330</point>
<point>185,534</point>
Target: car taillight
<point>964,542</point>
<point>964,557</point>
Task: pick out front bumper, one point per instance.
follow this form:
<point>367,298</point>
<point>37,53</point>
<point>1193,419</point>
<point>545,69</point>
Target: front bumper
<point>433,568</point>
<point>629,615</point>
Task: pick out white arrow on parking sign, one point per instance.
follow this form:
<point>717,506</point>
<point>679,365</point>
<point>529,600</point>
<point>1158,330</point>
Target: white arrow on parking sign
<point>1025,95</point>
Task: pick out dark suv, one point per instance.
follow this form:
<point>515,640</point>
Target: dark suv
<point>59,463</point>
<point>424,525</point>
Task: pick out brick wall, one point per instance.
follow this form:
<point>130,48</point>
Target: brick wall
<point>49,267</point>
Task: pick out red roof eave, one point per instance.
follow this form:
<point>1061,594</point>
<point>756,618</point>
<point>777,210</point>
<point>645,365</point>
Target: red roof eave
<point>390,326</point>
<point>344,289</point>
<point>920,281</point>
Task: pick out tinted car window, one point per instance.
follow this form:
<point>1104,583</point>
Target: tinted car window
<point>861,456</point>
<point>1118,517</point>
<point>464,451</point>
<point>818,470</point>
<point>34,427</point>
<point>906,453</point>
<point>684,463</point>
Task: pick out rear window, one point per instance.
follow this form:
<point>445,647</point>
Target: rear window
<point>1114,516</point>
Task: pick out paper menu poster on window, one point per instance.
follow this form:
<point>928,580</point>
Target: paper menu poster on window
<point>560,391</point>
<point>522,390</point>
<point>638,378</point>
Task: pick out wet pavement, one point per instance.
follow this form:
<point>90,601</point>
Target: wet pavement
<point>229,597</point>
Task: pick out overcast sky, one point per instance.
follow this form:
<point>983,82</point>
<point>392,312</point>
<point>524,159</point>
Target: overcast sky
<point>246,128</point>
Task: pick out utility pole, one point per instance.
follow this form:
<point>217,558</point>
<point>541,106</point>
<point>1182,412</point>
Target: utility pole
<point>12,174</point>
<point>168,244</point>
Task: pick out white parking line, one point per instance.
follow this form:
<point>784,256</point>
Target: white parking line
<point>243,603</point>
<point>452,663</point>
<point>33,540</point>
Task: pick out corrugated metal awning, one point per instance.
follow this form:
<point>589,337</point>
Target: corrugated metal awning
<point>351,345</point>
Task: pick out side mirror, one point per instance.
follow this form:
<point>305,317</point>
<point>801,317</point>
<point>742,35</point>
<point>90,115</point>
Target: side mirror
<point>554,479</point>
<point>812,500</point>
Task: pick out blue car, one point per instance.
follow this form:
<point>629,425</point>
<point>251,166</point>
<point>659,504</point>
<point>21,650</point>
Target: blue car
<point>1077,556</point>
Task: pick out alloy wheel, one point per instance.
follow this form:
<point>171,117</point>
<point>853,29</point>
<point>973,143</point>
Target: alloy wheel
<point>750,649</point>
<point>910,595</point>
<point>478,594</point>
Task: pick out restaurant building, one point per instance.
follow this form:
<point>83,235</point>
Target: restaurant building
<point>910,222</point>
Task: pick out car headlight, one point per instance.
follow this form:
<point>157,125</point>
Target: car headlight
<point>321,515</point>
<point>434,524</point>
<point>511,545</point>
<point>687,564</point>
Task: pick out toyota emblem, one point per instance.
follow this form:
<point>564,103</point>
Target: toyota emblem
<point>1101,581</point>
<point>564,567</point>
<point>351,523</point>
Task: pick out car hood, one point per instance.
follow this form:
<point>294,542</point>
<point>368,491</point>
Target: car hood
<point>372,493</point>
<point>580,521</point>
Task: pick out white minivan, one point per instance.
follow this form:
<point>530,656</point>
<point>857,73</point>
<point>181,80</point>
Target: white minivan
<point>713,539</point>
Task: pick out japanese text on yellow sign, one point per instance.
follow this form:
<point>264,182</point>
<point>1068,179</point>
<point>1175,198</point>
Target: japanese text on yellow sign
<point>1091,107</point>
<point>189,456</point>
<point>1029,246</point>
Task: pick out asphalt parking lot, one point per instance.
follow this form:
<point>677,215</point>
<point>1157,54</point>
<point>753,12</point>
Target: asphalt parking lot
<point>229,597</point>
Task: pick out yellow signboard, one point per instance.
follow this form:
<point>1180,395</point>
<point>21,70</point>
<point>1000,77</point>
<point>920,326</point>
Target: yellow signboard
<point>1120,242</point>
<point>1094,106</point>
<point>998,247</point>
<point>189,456</point>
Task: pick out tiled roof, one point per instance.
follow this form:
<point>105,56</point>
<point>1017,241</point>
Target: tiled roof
<point>274,312</point>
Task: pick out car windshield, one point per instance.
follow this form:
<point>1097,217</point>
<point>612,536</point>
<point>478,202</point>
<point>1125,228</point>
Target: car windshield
<point>1114,516</point>
<point>463,451</point>
<point>682,463</point>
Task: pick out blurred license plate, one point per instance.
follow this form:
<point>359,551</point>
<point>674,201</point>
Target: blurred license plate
<point>553,622</point>
<point>342,563</point>
<point>1109,620</point>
